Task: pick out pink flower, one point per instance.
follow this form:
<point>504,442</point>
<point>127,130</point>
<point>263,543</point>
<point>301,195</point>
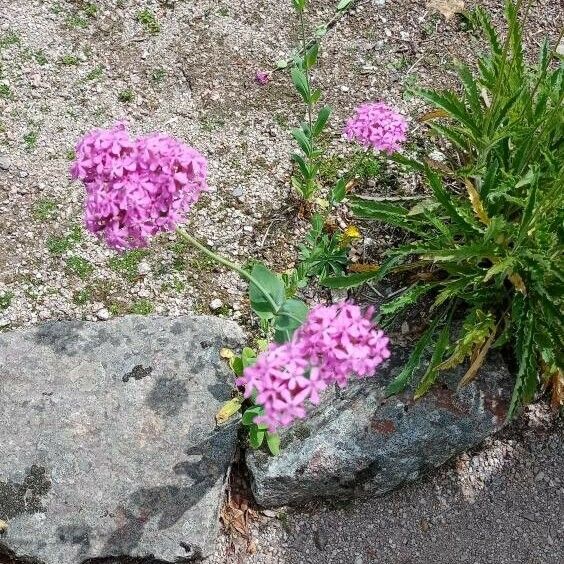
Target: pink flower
<point>136,188</point>
<point>334,343</point>
<point>262,77</point>
<point>378,126</point>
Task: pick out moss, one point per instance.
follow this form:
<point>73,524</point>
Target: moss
<point>127,264</point>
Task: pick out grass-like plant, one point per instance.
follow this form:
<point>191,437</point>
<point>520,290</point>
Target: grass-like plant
<point>486,246</point>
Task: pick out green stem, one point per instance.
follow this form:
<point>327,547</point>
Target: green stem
<point>231,265</point>
<point>310,180</point>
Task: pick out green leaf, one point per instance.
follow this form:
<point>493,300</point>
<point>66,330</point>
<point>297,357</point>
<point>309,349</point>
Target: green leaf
<point>248,417</point>
<point>248,357</point>
<point>237,366</point>
<point>431,374</point>
<point>270,283</point>
<point>300,82</point>
<point>339,191</point>
<point>470,87</point>
<point>321,121</point>
<point>348,281</point>
<point>290,316</point>
<point>399,383</point>
<point>256,436</point>
<point>448,202</point>
<point>303,140</point>
<point>273,443</point>
<point>343,5</point>
<point>407,298</point>
<point>311,56</point>
<point>527,375</point>
<point>281,64</point>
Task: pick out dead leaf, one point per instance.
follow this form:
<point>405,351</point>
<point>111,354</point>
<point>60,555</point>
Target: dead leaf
<point>437,165</point>
<point>557,384</point>
<point>226,353</point>
<point>228,409</point>
<point>477,360</point>
<point>433,114</point>
<point>446,7</point>
<point>476,202</point>
<point>517,281</point>
<point>3,526</point>
<point>363,267</point>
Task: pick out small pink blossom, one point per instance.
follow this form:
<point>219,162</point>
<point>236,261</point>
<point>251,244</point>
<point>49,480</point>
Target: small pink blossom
<point>377,126</point>
<point>262,77</point>
<point>334,343</point>
<point>136,188</point>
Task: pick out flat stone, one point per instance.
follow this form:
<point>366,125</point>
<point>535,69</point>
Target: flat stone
<point>108,443</point>
<point>358,442</point>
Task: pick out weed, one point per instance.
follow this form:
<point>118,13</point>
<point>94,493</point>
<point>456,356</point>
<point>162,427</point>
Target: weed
<point>158,75</point>
<point>40,57</point>
<point>126,96</point>
<point>60,245</point>
<point>8,39</point>
<point>82,297</point>
<point>5,300</point>
<point>149,21</point>
<point>30,139</point>
<point>44,210</point>
<point>79,266</point>
<point>127,264</point>
<point>5,92</point>
<point>70,155</point>
<point>90,9</point>
<point>142,307</point>
<point>69,60</point>
<point>95,73</point>
<point>74,20</point>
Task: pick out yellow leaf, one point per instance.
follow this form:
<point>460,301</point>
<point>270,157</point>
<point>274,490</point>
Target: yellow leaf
<point>228,409</point>
<point>517,281</point>
<point>363,267</point>
<point>433,114</point>
<point>446,7</point>
<point>477,362</point>
<point>352,232</point>
<point>3,526</point>
<point>226,353</point>
<point>476,202</point>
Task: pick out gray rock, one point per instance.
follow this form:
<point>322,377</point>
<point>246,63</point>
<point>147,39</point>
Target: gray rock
<point>358,442</point>
<point>4,162</point>
<point>108,444</point>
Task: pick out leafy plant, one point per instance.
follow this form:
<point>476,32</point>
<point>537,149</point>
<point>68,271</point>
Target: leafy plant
<point>323,254</point>
<point>486,246</point>
<point>149,20</point>
<point>304,180</point>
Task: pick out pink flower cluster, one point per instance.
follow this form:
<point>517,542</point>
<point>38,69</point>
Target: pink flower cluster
<point>334,343</point>
<point>262,77</point>
<point>378,126</point>
<point>136,188</point>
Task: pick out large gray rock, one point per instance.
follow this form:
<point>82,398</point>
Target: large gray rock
<point>360,442</point>
<point>108,444</point>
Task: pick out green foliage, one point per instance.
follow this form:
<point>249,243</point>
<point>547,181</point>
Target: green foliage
<point>44,210</point>
<point>6,300</point>
<point>127,264</point>
<point>79,266</point>
<point>60,245</point>
<point>69,60</point>
<point>126,96</point>
<point>307,161</point>
<point>30,139</point>
<point>322,254</point>
<point>142,307</point>
<point>149,21</point>
<point>5,92</point>
<point>489,239</point>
